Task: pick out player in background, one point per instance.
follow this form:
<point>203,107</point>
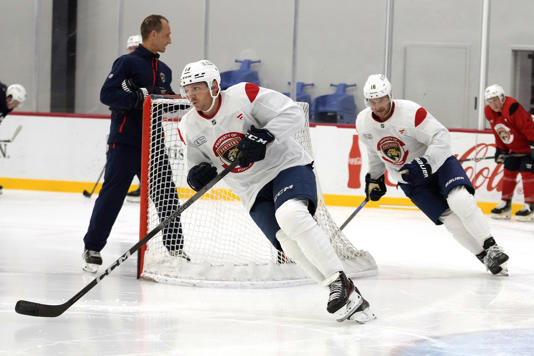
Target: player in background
<point>132,77</point>
<point>132,43</point>
<point>11,97</point>
<point>274,179</point>
<point>513,128</point>
<point>402,137</point>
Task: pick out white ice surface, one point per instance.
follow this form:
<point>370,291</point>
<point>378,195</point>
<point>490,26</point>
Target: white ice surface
<point>431,296</point>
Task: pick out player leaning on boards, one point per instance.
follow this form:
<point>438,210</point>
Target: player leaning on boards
<point>415,148</point>
<point>10,98</point>
<point>274,179</point>
<point>513,128</point>
<point>133,76</point>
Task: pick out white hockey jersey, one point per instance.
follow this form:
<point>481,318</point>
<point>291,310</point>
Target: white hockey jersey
<point>409,133</point>
<point>215,139</point>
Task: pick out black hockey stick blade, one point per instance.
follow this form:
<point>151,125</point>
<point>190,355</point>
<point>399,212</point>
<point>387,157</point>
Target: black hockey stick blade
<point>86,194</point>
<point>356,211</point>
<point>89,194</point>
<point>36,309</point>
<point>50,310</point>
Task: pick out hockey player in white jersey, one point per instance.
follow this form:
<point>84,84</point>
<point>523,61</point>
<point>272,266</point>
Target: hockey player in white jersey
<point>414,147</point>
<point>274,179</point>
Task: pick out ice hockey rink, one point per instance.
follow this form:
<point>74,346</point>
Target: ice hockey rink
<point>430,295</point>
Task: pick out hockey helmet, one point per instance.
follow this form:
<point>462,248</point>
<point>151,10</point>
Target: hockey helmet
<point>17,92</point>
<point>133,41</point>
<point>200,71</point>
<point>376,86</point>
<point>494,90</point>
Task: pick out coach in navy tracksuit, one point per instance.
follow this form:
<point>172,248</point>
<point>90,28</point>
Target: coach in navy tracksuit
<point>132,77</point>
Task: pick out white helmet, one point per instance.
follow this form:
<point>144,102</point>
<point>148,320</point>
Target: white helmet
<point>17,92</point>
<point>376,86</point>
<point>134,41</point>
<point>493,91</point>
<point>201,71</point>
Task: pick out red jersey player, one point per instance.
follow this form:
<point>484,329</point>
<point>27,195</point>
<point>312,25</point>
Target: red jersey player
<point>513,128</point>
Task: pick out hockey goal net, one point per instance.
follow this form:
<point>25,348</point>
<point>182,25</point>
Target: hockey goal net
<point>223,243</point>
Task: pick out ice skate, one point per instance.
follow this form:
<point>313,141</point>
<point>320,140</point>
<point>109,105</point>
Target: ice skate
<point>180,254</point>
<point>346,302</point>
<point>134,196</point>
<point>502,211</point>
<point>526,213</point>
<point>494,258</point>
<point>91,261</point>
<point>1,189</point>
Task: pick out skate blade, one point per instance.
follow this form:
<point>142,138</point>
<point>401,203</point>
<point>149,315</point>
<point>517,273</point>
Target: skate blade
<point>355,300</point>
<point>133,199</point>
<point>525,218</point>
<point>504,271</point>
<point>363,316</point>
<point>501,216</point>
<point>90,267</point>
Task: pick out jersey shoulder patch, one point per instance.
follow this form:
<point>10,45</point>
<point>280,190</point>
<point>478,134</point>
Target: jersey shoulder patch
<point>420,116</point>
<point>252,91</point>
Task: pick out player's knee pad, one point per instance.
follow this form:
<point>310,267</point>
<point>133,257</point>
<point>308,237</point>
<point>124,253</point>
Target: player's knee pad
<point>461,202</point>
<point>294,218</point>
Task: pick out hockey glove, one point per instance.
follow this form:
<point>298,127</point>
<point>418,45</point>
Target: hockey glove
<point>500,155</point>
<point>418,171</point>
<point>374,188</point>
<point>200,175</point>
<point>253,146</point>
<point>130,87</point>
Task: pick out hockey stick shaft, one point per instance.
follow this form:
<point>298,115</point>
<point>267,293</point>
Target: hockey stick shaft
<point>356,211</point>
<point>50,310</point>
<point>15,134</point>
<point>491,157</point>
<point>88,194</point>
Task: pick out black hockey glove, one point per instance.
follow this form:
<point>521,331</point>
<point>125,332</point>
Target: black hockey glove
<point>200,175</point>
<point>253,146</point>
<point>500,155</point>
<point>418,171</point>
<point>130,87</point>
<point>374,188</point>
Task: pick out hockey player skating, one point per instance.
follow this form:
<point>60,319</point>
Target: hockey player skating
<point>274,179</point>
<point>513,128</point>
<point>415,148</point>
<point>11,97</point>
<point>133,76</point>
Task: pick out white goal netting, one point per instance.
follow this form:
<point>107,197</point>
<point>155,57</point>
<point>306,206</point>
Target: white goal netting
<point>224,245</point>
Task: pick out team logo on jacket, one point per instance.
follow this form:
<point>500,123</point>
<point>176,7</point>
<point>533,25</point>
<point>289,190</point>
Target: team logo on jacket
<point>392,150</point>
<point>162,77</point>
<point>225,148</point>
<point>504,133</point>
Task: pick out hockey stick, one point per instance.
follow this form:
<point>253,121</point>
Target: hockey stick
<point>15,134</point>
<point>356,211</point>
<point>51,310</point>
<point>88,194</point>
<point>491,157</point>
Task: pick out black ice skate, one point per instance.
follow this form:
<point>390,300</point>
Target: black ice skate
<point>345,301</point>
<point>526,213</point>
<point>502,211</point>
<point>494,258</point>
<point>134,196</point>
<point>91,261</point>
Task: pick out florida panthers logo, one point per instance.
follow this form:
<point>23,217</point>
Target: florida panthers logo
<point>392,150</point>
<point>504,133</point>
<point>225,147</point>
